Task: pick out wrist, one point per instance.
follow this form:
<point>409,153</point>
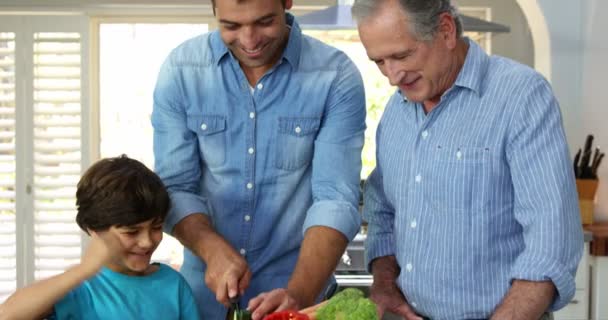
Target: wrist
<point>302,298</point>
<point>385,269</point>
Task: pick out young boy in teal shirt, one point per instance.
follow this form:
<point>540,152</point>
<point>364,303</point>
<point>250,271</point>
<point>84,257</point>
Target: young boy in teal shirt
<point>122,206</point>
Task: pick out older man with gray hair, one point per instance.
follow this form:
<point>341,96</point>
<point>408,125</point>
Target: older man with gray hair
<point>472,208</point>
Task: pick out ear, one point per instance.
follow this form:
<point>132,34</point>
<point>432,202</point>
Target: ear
<point>447,30</point>
<point>288,4</point>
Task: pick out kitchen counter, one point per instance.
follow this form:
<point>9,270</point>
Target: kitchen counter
<point>599,243</point>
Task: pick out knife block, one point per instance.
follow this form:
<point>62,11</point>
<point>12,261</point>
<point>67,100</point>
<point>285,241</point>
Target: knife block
<point>586,194</point>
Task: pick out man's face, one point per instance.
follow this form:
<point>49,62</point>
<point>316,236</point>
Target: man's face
<point>419,68</point>
<point>254,30</point>
<point>132,246</point>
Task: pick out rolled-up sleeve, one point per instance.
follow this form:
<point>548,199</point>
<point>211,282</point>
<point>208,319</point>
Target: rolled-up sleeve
<point>336,170</point>
<point>177,158</point>
<point>546,204</point>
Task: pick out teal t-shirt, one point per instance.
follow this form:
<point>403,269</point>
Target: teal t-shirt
<point>163,294</point>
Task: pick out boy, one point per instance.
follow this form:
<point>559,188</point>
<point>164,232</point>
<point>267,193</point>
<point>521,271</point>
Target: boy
<point>121,205</point>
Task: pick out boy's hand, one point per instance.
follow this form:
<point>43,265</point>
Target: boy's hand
<point>98,253</point>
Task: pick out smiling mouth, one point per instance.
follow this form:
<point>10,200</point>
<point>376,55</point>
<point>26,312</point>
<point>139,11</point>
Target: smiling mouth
<point>410,83</point>
<point>254,52</point>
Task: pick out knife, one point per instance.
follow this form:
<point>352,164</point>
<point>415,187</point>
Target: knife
<point>587,152</point>
<point>596,165</point>
<point>235,312</point>
<point>577,169</point>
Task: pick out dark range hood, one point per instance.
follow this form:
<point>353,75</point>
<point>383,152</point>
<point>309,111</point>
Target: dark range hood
<point>339,18</point>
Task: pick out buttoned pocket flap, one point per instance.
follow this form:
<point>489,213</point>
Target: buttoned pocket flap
<point>207,124</point>
<point>299,126</point>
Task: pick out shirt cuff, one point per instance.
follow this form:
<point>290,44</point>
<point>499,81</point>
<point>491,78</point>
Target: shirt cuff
<point>339,215</point>
<point>183,204</point>
<point>561,277</point>
<point>377,246</point>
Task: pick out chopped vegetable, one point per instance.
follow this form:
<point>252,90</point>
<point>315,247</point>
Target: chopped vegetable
<point>348,304</point>
<point>286,315</point>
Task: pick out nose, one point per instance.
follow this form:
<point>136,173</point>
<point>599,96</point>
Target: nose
<point>393,72</point>
<point>248,38</point>
<point>145,240</point>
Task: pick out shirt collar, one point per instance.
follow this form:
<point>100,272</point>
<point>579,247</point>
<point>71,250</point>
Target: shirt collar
<point>291,53</point>
<point>474,69</point>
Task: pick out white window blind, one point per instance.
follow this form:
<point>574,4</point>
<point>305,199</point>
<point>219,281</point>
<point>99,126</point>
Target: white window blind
<point>8,248</point>
<point>57,145</point>
<point>43,60</point>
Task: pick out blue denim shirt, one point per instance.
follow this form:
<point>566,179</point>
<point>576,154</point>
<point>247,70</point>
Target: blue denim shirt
<point>476,193</point>
<point>264,166</point>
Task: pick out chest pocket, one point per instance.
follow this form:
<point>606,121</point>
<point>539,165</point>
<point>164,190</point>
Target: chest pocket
<point>459,179</point>
<point>295,142</point>
<point>211,134</point>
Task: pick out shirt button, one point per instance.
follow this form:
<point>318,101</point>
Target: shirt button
<point>250,150</point>
<point>260,86</point>
<point>458,155</point>
<point>247,217</point>
<point>414,224</point>
<point>414,304</point>
<point>243,251</point>
<point>408,267</point>
<point>298,129</point>
<point>204,126</point>
<point>250,185</point>
<point>418,178</point>
<point>425,134</point>
<point>251,115</point>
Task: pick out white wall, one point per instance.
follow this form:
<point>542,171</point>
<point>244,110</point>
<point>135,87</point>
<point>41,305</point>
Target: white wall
<point>578,50</point>
<point>594,102</point>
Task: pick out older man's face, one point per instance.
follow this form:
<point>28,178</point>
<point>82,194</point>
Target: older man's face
<point>419,68</point>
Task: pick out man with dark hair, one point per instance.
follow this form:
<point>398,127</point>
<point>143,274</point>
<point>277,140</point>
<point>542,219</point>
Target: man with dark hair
<point>472,207</point>
<point>258,131</point>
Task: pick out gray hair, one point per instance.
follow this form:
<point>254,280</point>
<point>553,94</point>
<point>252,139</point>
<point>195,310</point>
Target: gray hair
<point>424,14</point>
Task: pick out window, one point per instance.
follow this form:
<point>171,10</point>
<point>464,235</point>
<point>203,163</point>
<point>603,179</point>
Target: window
<point>130,56</point>
<point>8,247</point>
<point>42,66</point>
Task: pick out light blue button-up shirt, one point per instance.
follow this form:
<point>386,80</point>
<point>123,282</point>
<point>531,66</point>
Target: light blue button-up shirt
<point>264,162</point>
<point>476,193</point>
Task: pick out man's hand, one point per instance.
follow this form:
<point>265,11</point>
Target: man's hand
<point>227,274</point>
<point>384,291</point>
<point>273,301</point>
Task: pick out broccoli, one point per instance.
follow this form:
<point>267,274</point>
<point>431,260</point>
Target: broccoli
<point>348,304</point>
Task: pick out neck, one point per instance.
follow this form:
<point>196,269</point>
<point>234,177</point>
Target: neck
<point>455,65</point>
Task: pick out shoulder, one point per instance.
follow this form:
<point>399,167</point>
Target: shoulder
<point>506,73</point>
<point>194,51</point>
<point>317,54</point>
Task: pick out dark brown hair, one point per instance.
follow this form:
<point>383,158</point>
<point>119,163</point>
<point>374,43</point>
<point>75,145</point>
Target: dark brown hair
<point>119,192</point>
<point>238,1</point>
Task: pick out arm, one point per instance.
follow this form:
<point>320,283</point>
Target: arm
<point>37,300</point>
<point>227,272</point>
<point>333,219</point>
<point>545,201</point>
<point>526,300</point>
<point>177,162</point>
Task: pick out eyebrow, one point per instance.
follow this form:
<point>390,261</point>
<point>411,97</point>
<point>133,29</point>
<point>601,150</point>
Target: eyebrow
<point>407,52</point>
<point>270,15</point>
